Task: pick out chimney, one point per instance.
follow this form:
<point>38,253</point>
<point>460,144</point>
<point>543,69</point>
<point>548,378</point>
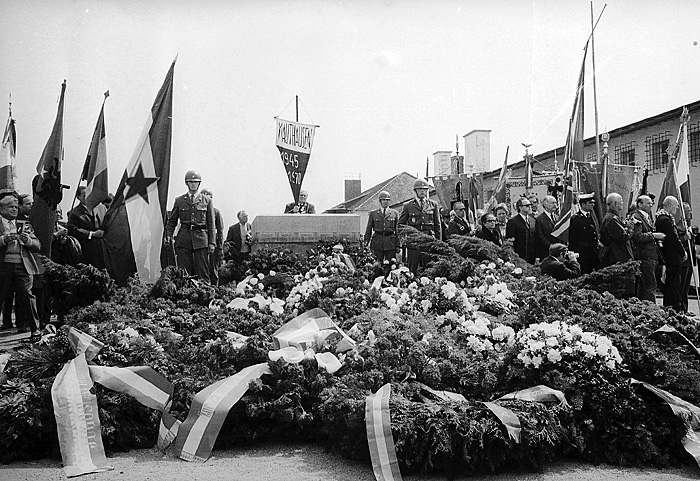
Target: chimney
<point>353,186</point>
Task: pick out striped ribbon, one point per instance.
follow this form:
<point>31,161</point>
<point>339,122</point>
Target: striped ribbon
<point>169,427</point>
<point>508,418</point>
<point>143,383</point>
<point>381,443</point>
<point>210,406</point>
<point>77,420</point>
<point>539,393</point>
<point>84,343</point>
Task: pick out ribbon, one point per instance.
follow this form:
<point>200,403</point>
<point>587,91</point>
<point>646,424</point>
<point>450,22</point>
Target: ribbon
<point>311,329</point>
<point>210,406</point>
<point>539,393</point>
<point>169,427</point>
<point>508,418</point>
<point>381,443</point>
<point>142,382</point>
<point>671,331</point>
<point>84,343</point>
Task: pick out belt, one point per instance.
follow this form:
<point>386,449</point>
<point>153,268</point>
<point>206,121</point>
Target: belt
<point>425,227</point>
<point>385,233</point>
<point>195,226</point>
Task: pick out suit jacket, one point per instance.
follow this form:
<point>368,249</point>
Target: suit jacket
<point>385,236</point>
<point>426,219</point>
<point>458,226</point>
<point>219,225</point>
<point>232,245</point>
<point>29,260</point>
<point>523,235</point>
<point>543,235</point>
<point>560,270</point>
<point>307,208</point>
<point>81,222</point>
<point>672,249</point>
<point>643,242</point>
<point>198,213</point>
<point>616,239</point>
<point>584,235</point>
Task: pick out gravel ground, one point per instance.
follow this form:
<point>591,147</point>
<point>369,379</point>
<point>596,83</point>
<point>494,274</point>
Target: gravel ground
<point>303,463</point>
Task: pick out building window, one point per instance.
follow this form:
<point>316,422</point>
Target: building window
<point>656,147</point>
<point>694,143</point>
<point>592,157</point>
<point>624,154</point>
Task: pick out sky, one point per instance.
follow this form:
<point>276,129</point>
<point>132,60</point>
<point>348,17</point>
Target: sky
<point>389,83</point>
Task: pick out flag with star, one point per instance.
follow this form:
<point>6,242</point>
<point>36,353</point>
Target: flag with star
<point>134,224</point>
<point>95,167</point>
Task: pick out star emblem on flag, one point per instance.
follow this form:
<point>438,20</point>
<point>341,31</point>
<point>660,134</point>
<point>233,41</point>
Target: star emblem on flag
<point>138,184</point>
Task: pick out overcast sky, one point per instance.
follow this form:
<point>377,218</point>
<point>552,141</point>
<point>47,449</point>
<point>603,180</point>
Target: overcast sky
<point>389,83</point>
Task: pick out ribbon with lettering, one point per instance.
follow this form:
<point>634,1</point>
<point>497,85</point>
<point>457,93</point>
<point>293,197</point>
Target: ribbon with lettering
<point>379,438</point>
<point>294,141</point>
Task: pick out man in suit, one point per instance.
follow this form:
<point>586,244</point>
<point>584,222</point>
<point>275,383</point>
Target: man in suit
<point>238,239</point>
<point>644,247</point>
<point>560,263</point>
<point>544,225</point>
<point>215,257</point>
<point>301,207</point>
<point>458,225</point>
<point>673,252</point>
<point>521,228</point>
<point>614,234</point>
<point>196,238</point>
<point>584,234</point>
<point>83,225</point>
<point>423,214</point>
<point>381,233</point>
<point>18,266</point>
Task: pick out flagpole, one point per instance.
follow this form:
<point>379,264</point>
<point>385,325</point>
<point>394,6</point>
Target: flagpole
<point>604,180</point>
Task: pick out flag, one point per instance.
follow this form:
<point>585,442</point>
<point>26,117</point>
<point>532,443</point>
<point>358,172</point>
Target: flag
<point>682,161</point>
<point>134,224</point>
<point>294,141</point>
<point>473,197</point>
<point>624,180</point>
<point>528,172</point>
<point>636,190</point>
<point>46,186</point>
<point>448,189</point>
<point>677,179</point>
<point>8,172</point>
<point>95,168</point>
<point>644,189</point>
<point>499,192</point>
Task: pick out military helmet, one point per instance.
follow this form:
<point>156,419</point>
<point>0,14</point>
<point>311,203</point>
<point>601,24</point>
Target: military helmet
<point>421,184</point>
<point>193,175</point>
<point>384,195</point>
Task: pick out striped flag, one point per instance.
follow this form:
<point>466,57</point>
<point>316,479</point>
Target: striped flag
<point>210,406</point>
<point>683,160</point>
<point>46,186</point>
<point>84,343</point>
<point>169,427</point>
<point>8,171</point>
<point>134,224</point>
<point>499,192</point>
<point>95,168</point>
<point>381,442</point>
<point>141,382</point>
<point>677,179</point>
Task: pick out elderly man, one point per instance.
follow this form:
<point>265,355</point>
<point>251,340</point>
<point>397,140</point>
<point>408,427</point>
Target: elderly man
<point>238,239</point>
<point>584,234</point>
<point>196,238</point>
<point>644,247</point>
<point>83,225</point>
<point>423,214</point>
<point>17,243</point>
<point>381,233</point>
<point>458,225</point>
<point>301,207</point>
<point>544,225</point>
<point>521,228</point>
<point>673,252</point>
<point>215,257</point>
<point>560,263</point>
<point>614,234</point>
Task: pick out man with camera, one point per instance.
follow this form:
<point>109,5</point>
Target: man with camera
<point>561,263</point>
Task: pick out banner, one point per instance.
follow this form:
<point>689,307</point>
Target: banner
<point>8,172</point>
<point>621,179</point>
<point>448,189</point>
<point>379,438</point>
<point>294,141</point>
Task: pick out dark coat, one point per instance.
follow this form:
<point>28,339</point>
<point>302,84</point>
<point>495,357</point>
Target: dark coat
<point>232,245</point>
<point>426,220</point>
<point>616,239</point>
<point>458,226</point>
<point>672,249</point>
<point>80,223</point>
<point>543,235</point>
<point>490,235</point>
<point>643,242</point>
<point>219,225</point>
<point>560,270</point>
<point>584,235</point>
<point>523,235</point>
<point>381,233</point>
<point>197,224</point>
<point>306,208</point>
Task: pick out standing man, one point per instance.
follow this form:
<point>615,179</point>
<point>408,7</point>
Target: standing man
<point>17,264</point>
<point>215,257</point>
<point>688,238</point>
<point>614,234</point>
<point>673,252</point>
<point>301,207</point>
<point>544,225</point>
<point>238,239</point>
<point>196,237</point>
<point>584,234</point>
<point>384,243</point>
<point>644,247</point>
<point>423,214</point>
<point>521,228</point>
<point>83,225</point>
<point>458,225</point>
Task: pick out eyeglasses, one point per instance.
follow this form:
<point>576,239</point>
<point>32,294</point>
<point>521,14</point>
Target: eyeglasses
<point>459,209</point>
<point>490,221</point>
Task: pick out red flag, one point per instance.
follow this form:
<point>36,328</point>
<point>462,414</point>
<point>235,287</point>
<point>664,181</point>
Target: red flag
<point>134,224</point>
<point>95,168</point>
<point>8,172</point>
<point>47,186</point>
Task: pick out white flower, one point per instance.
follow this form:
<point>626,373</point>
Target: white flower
<point>424,281</point>
<point>273,273</point>
<point>517,271</point>
<point>553,355</point>
<point>536,361</point>
<point>426,305</point>
<point>253,281</point>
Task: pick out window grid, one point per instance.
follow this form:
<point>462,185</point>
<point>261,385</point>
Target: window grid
<point>625,153</point>
<point>694,143</point>
<point>656,147</point>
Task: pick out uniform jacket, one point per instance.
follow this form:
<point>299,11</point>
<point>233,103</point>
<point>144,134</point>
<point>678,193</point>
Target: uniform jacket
<point>616,239</point>
<point>306,208</point>
<point>458,226</point>
<point>560,270</point>
<point>643,242</point>
<point>219,225</point>
<point>543,235</point>
<point>523,235</point>
<point>26,252</point>
<point>426,220</point>
<point>385,237</point>
<point>197,225</point>
<point>232,245</point>
<point>584,235</point>
<point>493,236</point>
<point>672,249</point>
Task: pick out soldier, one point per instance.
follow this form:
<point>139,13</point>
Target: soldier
<point>584,234</point>
<point>196,237</point>
<point>215,257</point>
<point>384,242</point>
<point>423,214</point>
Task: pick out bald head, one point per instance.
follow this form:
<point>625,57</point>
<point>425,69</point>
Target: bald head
<point>670,204</point>
<point>614,202</point>
<point>549,203</point>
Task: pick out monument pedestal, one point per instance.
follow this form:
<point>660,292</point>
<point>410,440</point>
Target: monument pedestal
<point>300,232</point>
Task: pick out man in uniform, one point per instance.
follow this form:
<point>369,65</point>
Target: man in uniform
<point>521,228</point>
<point>384,243</point>
<point>544,225</point>
<point>301,207</point>
<point>458,225</point>
<point>215,257</point>
<point>423,214</point>
<point>196,237</point>
<point>584,234</point>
